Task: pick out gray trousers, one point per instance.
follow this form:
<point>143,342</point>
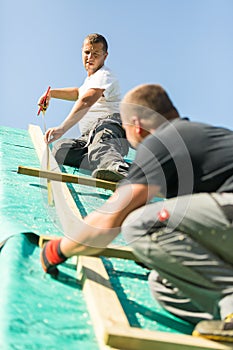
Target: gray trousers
<point>191,254</point>
<point>103,147</point>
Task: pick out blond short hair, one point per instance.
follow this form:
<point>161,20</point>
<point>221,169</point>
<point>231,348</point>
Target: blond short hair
<point>96,38</point>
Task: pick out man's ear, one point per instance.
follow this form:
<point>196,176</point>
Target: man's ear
<point>140,128</point>
<point>137,124</point>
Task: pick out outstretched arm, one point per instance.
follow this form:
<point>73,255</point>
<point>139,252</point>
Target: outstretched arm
<point>69,94</point>
<point>79,109</point>
<point>100,227</point>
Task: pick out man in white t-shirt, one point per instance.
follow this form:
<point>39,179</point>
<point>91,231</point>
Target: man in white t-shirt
<point>102,145</point>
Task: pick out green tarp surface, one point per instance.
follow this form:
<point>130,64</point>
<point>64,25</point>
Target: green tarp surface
<point>37,311</point>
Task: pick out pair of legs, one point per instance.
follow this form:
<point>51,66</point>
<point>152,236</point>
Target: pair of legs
<point>104,147</point>
<point>190,254</point>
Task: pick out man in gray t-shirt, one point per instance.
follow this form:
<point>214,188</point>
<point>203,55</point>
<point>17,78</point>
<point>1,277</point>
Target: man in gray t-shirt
<point>184,157</point>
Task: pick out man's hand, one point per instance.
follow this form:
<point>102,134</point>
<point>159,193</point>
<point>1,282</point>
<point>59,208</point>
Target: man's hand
<point>51,256</point>
<point>53,134</point>
<point>43,101</point>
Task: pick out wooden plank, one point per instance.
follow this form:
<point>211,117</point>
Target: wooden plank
<point>69,178</point>
<point>118,252</point>
<point>65,204</point>
<point>112,251</point>
<point>137,339</point>
<point>94,276</point>
<point>103,304</point>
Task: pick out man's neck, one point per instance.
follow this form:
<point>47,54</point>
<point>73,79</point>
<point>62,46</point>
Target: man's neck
<point>89,73</point>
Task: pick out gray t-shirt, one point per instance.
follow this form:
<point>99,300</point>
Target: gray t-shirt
<point>184,157</point>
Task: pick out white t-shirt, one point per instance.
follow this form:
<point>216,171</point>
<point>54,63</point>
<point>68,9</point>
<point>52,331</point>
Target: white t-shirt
<point>107,104</point>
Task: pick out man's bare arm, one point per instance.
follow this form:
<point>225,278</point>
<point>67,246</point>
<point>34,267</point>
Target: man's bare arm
<point>80,108</point>
<point>100,227</point>
<point>69,93</point>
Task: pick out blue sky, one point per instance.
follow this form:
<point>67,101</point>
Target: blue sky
<point>184,45</point>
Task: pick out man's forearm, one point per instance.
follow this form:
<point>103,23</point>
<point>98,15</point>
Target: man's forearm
<point>75,115</point>
<point>69,94</point>
<point>100,227</point>
<point>81,107</point>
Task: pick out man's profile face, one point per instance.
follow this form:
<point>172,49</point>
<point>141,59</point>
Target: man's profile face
<point>93,56</point>
<point>128,125</point>
<point>130,134</point>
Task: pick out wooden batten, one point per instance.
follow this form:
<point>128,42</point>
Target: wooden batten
<point>60,190</point>
<point>103,304</point>
<point>69,178</point>
<point>137,339</point>
<point>111,251</point>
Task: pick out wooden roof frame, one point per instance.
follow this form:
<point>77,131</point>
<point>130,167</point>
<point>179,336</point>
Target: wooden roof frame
<point>111,325</point>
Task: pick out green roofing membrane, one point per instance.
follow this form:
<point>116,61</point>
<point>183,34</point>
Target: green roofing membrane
<point>37,311</point>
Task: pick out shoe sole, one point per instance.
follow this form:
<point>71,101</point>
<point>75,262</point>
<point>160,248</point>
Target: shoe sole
<point>213,330</point>
<point>108,175</point>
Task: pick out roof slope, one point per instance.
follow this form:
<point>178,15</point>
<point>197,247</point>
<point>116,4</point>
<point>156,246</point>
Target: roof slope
<point>36,310</point>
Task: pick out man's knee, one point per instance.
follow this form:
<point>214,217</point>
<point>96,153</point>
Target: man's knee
<point>134,233</point>
<point>60,151</point>
<point>141,222</point>
<point>71,152</point>
<point>130,234</point>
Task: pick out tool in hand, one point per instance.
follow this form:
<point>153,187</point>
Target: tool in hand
<point>43,106</point>
<point>42,109</point>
